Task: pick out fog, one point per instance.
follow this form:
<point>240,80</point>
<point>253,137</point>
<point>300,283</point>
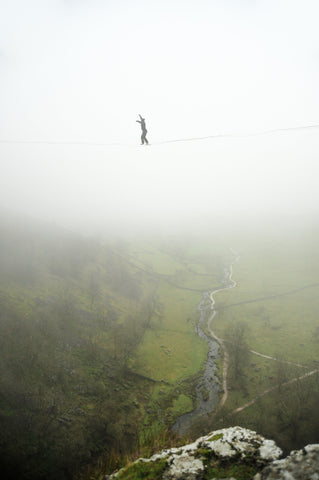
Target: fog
<point>74,75</point>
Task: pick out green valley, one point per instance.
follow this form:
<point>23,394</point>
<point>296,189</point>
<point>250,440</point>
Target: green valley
<point>99,351</point>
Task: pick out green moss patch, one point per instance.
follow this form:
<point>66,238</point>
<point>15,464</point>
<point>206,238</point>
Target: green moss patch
<point>218,436</point>
<point>239,471</point>
<point>140,470</point>
<point>215,467</point>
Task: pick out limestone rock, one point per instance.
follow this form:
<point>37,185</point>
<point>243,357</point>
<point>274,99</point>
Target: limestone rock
<point>212,454</point>
<point>299,465</point>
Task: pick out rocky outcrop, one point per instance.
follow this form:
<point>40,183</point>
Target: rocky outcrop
<point>299,465</point>
<point>224,454</point>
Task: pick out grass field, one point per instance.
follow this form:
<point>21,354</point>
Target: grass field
<point>109,330</point>
<point>276,299</point>
<point>170,351</point>
<point>283,325</point>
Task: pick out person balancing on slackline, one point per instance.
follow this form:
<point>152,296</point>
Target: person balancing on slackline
<point>144,131</point>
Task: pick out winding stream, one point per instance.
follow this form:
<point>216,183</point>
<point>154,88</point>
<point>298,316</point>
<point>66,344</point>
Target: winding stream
<point>208,388</point>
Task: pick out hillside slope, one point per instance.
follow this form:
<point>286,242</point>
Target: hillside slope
<point>96,339</point>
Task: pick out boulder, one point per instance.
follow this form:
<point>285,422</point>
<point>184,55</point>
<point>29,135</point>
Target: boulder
<point>299,465</point>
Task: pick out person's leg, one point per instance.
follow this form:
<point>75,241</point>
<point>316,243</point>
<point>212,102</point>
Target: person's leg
<point>142,139</point>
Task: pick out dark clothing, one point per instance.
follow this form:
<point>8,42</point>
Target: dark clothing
<point>144,131</point>
<point>143,137</point>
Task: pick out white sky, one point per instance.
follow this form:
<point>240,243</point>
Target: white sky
<point>82,71</point>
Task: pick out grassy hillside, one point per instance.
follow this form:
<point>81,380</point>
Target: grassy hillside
<point>98,348</point>
<point>273,311</point>
<point>99,354</point>
<point>65,306</point>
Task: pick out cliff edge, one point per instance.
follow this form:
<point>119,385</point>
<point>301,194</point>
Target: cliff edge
<point>231,453</point>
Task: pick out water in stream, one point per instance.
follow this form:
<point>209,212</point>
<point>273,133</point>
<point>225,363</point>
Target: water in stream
<point>208,388</point>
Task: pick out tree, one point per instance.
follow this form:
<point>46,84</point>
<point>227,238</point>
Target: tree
<point>236,337</point>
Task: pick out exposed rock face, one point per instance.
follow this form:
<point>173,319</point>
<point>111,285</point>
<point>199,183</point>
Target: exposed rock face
<point>224,454</point>
<point>299,465</point>
<point>218,454</point>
